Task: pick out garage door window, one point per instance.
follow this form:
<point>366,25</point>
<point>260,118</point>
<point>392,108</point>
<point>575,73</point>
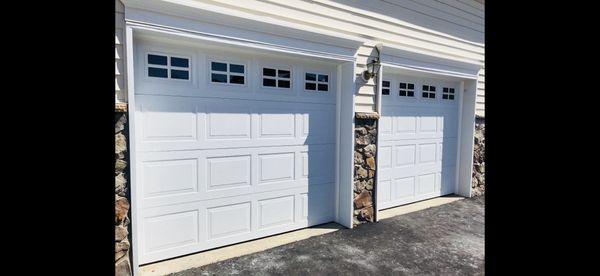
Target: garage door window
<point>280,78</point>
<point>406,89</point>
<point>227,73</point>
<point>316,82</point>
<point>168,67</point>
<point>448,93</point>
<point>385,87</point>
<point>428,91</point>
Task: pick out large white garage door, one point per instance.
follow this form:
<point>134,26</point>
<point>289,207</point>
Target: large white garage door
<point>417,139</point>
<point>231,146</point>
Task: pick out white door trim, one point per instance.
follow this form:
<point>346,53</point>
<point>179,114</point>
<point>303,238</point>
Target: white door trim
<point>133,28</point>
<point>132,148</point>
<point>155,28</point>
<point>466,131</point>
<point>432,71</point>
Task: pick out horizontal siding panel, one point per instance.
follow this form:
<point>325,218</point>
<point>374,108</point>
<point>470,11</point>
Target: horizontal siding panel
<point>360,59</point>
<point>478,13</point>
<point>370,43</point>
<point>119,67</point>
<point>366,51</point>
<point>119,36</point>
<point>480,99</point>
<point>119,83</point>
<point>120,91</point>
<point>403,23</point>
<point>473,4</point>
<point>364,100</point>
<point>415,12</point>
<point>311,14</point>
<point>371,81</point>
<point>452,8</point>
<point>119,52</point>
<point>366,90</point>
<point>364,108</point>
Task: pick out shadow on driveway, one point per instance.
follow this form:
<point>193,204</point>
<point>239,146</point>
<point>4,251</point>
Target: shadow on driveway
<point>447,240</point>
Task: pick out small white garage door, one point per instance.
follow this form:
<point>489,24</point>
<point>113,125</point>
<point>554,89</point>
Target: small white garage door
<point>417,139</point>
<point>231,146</point>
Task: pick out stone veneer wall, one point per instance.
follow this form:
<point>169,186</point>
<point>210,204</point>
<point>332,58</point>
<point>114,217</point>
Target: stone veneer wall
<point>122,245</point>
<point>365,152</point>
<point>478,180</point>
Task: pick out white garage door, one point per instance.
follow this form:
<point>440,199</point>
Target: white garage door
<point>417,139</point>
<point>231,146</point>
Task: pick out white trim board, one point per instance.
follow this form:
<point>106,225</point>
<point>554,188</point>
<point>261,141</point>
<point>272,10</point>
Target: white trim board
<point>309,44</point>
<point>346,68</point>
<point>428,72</point>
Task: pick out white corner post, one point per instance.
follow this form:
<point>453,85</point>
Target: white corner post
<point>345,141</point>
<point>132,149</point>
<point>466,142</point>
<point>379,111</point>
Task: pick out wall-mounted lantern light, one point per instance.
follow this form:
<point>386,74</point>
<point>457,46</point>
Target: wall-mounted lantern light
<point>373,66</point>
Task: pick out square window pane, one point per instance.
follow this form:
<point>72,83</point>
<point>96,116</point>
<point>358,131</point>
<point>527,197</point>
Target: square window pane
<point>157,72</point>
<point>385,83</point>
<point>451,97</point>
<point>180,62</point>
<point>410,93</point>
<point>411,86</point>
<point>425,94</point>
<point>236,79</point>
<point>269,82</point>
<point>158,60</point>
<point>445,97</point>
<point>425,88</point>
<point>451,90</point>
<point>402,92</point>
<point>236,68</point>
<point>218,78</point>
<point>218,66</point>
<point>403,85</point>
<point>310,86</point>
<point>432,95</point>
<point>311,77</point>
<point>445,89</point>
<point>385,91</point>
<point>431,88</point>
<point>283,74</point>
<point>323,78</point>
<point>180,74</point>
<point>283,83</point>
<point>323,87</point>
<point>269,72</point>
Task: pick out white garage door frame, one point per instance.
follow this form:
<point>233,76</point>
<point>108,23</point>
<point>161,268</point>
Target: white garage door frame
<point>344,106</point>
<point>401,62</point>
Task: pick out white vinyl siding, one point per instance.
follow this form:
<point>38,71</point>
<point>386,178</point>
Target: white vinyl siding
<point>120,92</point>
<point>452,30</point>
<point>448,28</point>
<point>480,101</point>
<point>365,92</point>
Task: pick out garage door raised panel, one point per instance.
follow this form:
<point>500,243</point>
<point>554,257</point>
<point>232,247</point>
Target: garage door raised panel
<point>221,163</point>
<point>417,141</point>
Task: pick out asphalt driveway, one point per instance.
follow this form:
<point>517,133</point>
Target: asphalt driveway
<point>442,240</point>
